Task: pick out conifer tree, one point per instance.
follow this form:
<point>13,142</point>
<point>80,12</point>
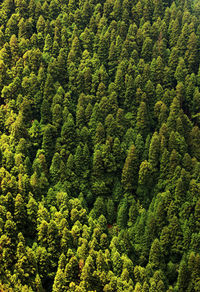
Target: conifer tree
<point>20,212</point>
<point>99,145</point>
<point>55,168</point>
<point>142,124</point>
<point>130,170</point>
<point>192,53</point>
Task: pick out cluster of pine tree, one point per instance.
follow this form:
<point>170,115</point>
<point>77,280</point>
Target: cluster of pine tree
<point>100,145</point>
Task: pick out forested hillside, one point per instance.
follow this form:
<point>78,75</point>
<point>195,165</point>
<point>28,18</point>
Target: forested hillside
<point>100,145</point>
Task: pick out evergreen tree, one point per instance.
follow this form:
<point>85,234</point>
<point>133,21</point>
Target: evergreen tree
<point>99,145</point>
<point>47,142</point>
<point>130,170</point>
<point>20,212</point>
<point>68,133</point>
<point>142,119</point>
<point>55,168</point>
<point>154,151</point>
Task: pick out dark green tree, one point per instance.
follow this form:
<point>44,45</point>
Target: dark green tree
<point>130,170</point>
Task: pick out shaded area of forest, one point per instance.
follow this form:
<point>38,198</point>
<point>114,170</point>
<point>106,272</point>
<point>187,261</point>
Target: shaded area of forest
<point>99,145</point>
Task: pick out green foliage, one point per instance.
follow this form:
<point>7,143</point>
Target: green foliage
<point>99,145</point>
<point>130,170</point>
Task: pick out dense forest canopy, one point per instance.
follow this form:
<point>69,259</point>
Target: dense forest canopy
<point>100,145</point>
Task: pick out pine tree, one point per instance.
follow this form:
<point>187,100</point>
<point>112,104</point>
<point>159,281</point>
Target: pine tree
<point>182,280</point>
<point>68,133</point>
<point>32,209</point>
<point>117,263</point>
<point>97,164</point>
<point>122,215</point>
<point>55,168</point>
<point>194,136</point>
<point>100,134</point>
<point>154,151</point>
<point>142,124</point>
<point>87,273</point>
<point>26,264</point>
<point>47,142</point>
<point>192,54</point>
<point>111,213</point>
<point>20,212</point>
<point>57,116</point>
<point>130,170</point>
<point>99,206</point>
<point>181,71</point>
<point>174,113</point>
<point>147,49</point>
<point>59,282</point>
<point>155,255</point>
<point>145,179</point>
